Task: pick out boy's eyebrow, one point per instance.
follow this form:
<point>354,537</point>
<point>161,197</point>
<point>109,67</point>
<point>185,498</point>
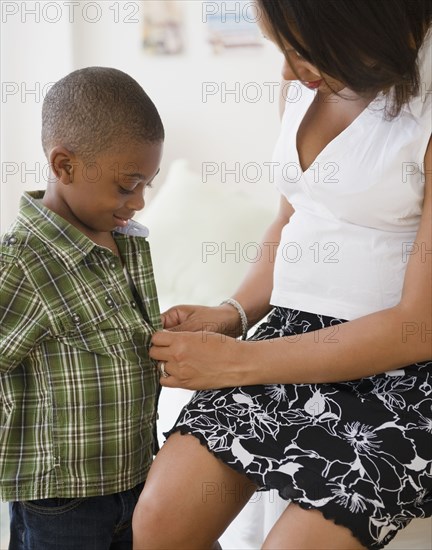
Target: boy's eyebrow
<point>138,174</point>
<point>134,174</point>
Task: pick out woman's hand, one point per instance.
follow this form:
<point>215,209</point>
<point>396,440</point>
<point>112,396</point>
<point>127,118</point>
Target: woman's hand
<point>197,360</point>
<point>221,319</point>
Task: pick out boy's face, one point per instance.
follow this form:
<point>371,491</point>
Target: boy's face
<point>106,193</point>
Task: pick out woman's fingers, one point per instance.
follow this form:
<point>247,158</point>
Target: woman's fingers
<point>193,360</point>
<point>162,338</point>
<point>193,318</point>
<point>169,382</point>
<point>176,316</point>
<point>171,318</point>
<point>165,345</point>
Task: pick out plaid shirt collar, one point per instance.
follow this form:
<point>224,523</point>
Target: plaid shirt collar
<point>60,236</point>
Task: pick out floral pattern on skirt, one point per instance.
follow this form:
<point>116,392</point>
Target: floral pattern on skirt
<point>359,451</point>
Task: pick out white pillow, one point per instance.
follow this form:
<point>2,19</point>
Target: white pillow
<point>203,236</point>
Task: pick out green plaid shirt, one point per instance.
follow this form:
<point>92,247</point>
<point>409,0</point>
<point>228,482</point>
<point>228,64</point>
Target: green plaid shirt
<point>77,387</point>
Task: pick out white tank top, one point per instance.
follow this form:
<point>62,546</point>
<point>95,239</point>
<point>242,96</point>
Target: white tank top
<point>345,249</point>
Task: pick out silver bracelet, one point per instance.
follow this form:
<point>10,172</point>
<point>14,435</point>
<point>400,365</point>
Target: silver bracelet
<point>241,312</point>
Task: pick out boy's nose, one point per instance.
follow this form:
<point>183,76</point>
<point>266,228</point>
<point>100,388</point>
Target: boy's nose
<point>136,202</point>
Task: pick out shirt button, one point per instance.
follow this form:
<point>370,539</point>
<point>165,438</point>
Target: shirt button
<point>76,319</point>
<point>109,302</point>
<point>133,304</point>
<point>112,265</point>
<point>12,240</point>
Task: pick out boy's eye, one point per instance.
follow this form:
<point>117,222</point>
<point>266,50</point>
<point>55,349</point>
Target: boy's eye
<point>124,191</point>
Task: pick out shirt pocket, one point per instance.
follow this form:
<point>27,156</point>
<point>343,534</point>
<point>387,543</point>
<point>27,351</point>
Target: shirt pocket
<point>98,328</point>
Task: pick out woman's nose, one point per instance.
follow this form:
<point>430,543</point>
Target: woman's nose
<point>288,72</point>
<point>299,69</point>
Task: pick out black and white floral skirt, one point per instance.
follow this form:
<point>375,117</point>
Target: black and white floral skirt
<point>359,451</point>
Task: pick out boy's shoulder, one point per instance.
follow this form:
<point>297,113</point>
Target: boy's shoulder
<point>15,242</point>
<point>20,251</point>
<point>13,263</point>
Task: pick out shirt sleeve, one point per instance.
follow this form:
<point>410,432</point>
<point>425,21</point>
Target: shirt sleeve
<point>23,322</point>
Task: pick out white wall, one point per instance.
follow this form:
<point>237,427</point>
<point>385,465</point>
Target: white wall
<point>42,41</point>
<point>33,52</point>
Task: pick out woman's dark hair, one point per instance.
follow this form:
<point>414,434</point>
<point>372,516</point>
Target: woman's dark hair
<point>369,45</point>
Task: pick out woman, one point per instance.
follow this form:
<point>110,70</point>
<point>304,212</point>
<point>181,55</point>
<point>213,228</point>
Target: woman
<point>330,402</point>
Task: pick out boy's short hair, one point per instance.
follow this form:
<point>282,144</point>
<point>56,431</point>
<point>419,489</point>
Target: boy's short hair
<point>95,109</point>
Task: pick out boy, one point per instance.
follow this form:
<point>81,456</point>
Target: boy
<point>78,307</point>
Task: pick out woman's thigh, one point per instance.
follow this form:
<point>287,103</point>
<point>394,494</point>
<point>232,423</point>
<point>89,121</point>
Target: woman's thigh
<point>189,498</point>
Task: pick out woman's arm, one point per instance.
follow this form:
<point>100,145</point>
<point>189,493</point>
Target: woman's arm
<point>255,291</point>
<point>372,344</point>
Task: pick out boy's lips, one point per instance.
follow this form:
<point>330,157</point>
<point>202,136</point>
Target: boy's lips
<point>121,222</point>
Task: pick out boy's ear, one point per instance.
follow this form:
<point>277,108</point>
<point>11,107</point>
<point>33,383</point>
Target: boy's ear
<point>63,164</point>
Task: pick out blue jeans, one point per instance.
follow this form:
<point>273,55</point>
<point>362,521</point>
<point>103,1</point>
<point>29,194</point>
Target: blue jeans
<point>94,523</point>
